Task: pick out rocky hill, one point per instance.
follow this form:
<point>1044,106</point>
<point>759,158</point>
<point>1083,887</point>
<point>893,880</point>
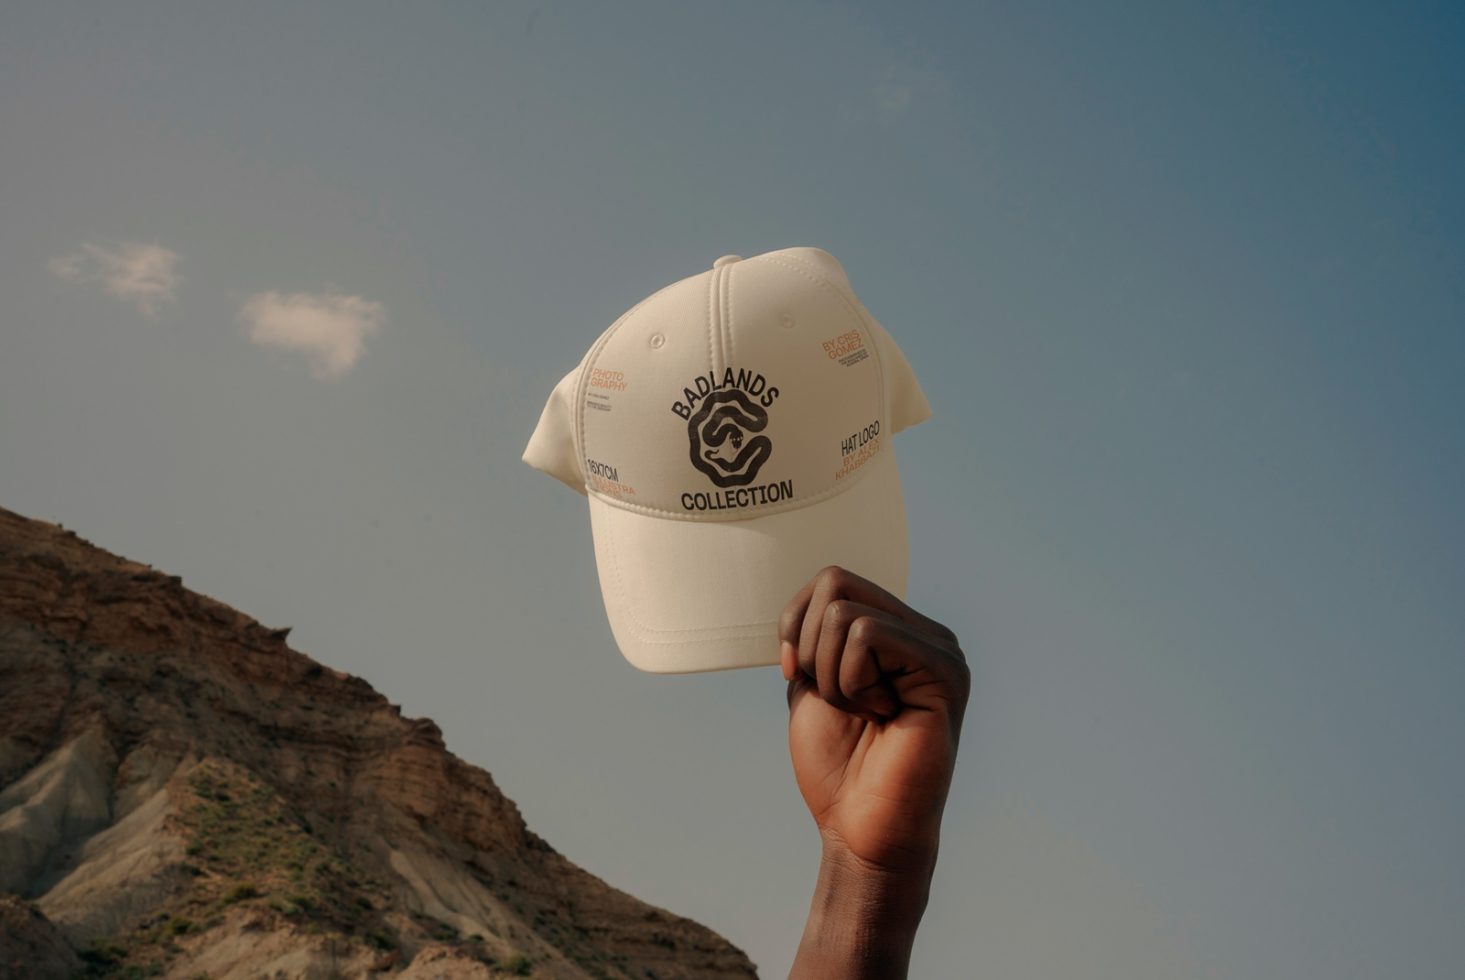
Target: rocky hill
<point>183,795</point>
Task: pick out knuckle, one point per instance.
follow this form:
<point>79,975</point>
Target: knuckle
<point>839,614</point>
<point>832,576</point>
<point>862,630</point>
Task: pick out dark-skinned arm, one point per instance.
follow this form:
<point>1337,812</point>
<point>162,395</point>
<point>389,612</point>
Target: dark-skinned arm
<point>876,695</point>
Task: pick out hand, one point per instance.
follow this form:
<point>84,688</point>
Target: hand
<point>876,696</point>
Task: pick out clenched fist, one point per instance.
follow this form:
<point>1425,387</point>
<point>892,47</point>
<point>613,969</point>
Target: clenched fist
<point>876,695</point>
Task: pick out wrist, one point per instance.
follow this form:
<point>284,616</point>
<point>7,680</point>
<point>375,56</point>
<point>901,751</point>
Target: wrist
<point>863,918</point>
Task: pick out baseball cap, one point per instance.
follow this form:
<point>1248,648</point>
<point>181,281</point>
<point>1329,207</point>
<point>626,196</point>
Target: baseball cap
<point>732,432</point>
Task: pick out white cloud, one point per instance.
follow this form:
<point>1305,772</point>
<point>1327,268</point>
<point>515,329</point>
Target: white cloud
<point>136,271</point>
<point>328,328</point>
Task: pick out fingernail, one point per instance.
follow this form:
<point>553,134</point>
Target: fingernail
<point>787,658</point>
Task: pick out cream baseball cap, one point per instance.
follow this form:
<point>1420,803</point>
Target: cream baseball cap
<point>732,433</point>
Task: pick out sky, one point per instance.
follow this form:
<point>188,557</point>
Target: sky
<point>284,287</point>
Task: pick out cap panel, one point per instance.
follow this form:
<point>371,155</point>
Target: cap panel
<point>554,448</point>
<point>906,402</point>
<point>830,409</point>
<point>696,413</point>
<point>631,454</point>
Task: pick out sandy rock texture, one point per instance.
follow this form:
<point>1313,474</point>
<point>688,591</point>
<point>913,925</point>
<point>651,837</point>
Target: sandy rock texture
<point>182,794</point>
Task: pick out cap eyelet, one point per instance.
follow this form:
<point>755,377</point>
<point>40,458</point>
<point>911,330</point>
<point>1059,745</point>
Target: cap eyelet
<point>656,340</point>
<point>787,320</point>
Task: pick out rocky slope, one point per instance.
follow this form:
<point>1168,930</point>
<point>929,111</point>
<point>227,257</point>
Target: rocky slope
<point>183,795</point>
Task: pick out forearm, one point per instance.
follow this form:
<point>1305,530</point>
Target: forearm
<point>862,921</point>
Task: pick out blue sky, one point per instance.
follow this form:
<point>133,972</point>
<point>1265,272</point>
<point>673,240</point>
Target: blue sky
<point>286,285</point>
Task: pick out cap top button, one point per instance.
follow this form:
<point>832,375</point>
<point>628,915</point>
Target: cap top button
<point>726,260</point>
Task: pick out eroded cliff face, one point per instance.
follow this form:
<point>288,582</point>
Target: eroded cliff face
<point>182,793</point>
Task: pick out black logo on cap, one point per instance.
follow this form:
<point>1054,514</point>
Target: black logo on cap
<point>722,446</point>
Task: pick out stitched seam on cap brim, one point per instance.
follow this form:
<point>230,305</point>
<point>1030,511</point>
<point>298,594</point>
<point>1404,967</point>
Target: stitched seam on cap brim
<point>838,488</point>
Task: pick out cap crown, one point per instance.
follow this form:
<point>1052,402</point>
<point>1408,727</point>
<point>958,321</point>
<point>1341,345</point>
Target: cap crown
<point>756,386</point>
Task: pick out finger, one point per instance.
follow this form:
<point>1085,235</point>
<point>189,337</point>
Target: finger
<point>792,618</point>
<point>830,652</point>
<point>824,588</point>
<point>872,664</point>
<point>799,688</point>
<point>861,678</point>
<point>886,655</point>
<point>835,582</point>
<point>850,585</point>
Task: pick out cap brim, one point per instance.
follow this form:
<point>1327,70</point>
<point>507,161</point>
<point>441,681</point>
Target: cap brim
<point>686,595</point>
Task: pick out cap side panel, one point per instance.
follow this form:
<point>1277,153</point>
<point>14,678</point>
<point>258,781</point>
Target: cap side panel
<point>555,446</point>
<point>904,398</point>
<point>847,297</point>
<point>588,366</point>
